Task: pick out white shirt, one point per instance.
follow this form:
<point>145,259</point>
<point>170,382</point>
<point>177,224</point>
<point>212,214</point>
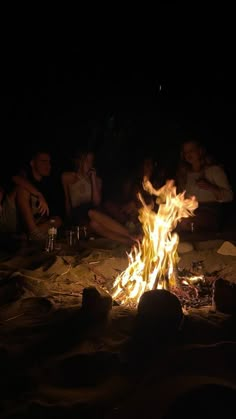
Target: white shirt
<point>216,176</point>
<point>80,191</point>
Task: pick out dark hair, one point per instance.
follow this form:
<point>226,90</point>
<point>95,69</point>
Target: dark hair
<point>36,153</point>
<point>78,152</point>
<point>79,155</point>
<point>39,148</point>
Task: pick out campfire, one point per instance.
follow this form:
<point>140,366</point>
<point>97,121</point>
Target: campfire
<point>153,263</point>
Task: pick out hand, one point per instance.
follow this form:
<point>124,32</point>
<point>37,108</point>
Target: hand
<point>43,206</point>
<point>92,172</point>
<point>203,184</point>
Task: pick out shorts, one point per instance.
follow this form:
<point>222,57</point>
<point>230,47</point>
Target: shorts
<point>79,215</point>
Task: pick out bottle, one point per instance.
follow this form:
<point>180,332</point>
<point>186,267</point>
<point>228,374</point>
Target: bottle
<point>85,233</point>
<point>52,234</point>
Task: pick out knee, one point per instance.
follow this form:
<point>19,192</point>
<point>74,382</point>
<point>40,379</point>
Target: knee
<point>91,214</point>
<point>93,225</point>
<point>58,221</point>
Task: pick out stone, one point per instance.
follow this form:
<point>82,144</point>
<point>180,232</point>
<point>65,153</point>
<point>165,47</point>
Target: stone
<point>159,315</point>
<point>96,303</point>
<point>185,247</point>
<point>224,295</point>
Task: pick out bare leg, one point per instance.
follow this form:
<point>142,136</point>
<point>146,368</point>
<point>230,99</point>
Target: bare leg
<point>114,210</point>
<point>109,234</point>
<point>108,223</point>
<point>107,227</point>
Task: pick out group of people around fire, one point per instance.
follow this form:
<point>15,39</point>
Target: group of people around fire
<point>32,198</point>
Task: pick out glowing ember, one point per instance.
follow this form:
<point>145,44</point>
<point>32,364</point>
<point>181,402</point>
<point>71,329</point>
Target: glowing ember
<point>152,263</point>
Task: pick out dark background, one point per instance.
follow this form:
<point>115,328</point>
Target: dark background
<point>65,95</point>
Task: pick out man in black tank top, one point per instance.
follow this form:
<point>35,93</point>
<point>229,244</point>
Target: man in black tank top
<point>39,175</point>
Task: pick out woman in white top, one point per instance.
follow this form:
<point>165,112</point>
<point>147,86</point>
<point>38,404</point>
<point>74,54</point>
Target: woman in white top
<point>83,195</point>
<point>199,176</point>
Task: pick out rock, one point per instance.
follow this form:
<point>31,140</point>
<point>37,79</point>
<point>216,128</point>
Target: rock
<point>159,315</point>
<point>227,248</point>
<point>225,296</point>
<point>185,247</point>
<point>95,303</point>
<point>207,244</point>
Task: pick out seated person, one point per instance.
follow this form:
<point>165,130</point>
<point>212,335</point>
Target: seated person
<point>122,201</point>
<point>8,211</point>
<point>83,196</point>
<point>199,176</point>
<point>36,224</point>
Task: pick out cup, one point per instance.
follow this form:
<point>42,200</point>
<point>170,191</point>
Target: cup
<point>81,232</point>
<point>71,238</point>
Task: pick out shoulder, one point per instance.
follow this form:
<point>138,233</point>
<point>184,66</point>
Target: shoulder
<point>68,177</point>
<point>214,168</point>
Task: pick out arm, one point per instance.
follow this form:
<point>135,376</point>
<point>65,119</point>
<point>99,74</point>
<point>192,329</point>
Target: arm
<point>217,182</point>
<point>65,179</point>
<point>96,188</point>
<point>23,202</point>
<point>25,184</point>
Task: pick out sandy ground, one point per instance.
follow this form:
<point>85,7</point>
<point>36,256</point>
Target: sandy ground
<point>55,363</point>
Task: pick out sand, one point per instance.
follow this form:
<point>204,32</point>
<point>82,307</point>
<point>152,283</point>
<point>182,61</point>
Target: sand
<point>56,363</point>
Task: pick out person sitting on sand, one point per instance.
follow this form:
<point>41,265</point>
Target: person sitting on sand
<point>122,202</point>
<point>9,222</point>
<point>83,196</point>
<point>35,223</point>
<point>198,175</point>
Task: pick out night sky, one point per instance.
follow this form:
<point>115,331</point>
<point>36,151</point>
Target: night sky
<point>64,94</point>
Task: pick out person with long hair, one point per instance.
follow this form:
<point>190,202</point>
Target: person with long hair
<point>83,199</point>
<point>199,175</point>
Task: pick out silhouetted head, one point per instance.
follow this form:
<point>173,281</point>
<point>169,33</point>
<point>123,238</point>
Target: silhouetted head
<point>41,164</point>
<point>192,152</point>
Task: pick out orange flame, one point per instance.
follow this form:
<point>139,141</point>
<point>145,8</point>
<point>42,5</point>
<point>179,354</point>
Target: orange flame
<point>152,263</point>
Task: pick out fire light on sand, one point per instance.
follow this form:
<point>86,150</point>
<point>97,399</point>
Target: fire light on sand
<point>152,264</point>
